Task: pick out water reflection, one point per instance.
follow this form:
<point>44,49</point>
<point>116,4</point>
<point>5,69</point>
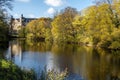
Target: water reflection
<point>83,63</point>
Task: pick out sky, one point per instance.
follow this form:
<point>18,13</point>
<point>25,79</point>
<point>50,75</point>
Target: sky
<point>45,8</point>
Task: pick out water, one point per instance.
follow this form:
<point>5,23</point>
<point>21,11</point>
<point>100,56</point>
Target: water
<point>83,63</point>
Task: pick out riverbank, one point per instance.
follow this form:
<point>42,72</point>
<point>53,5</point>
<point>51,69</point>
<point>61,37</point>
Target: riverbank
<point>9,71</point>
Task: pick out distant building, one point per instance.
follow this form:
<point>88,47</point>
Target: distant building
<point>17,23</point>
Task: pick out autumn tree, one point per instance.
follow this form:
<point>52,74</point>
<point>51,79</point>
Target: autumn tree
<point>37,29</point>
<point>62,28</point>
<point>97,25</point>
<point>113,9</point>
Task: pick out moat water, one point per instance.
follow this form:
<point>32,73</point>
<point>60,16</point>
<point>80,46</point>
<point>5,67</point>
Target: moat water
<point>83,63</point>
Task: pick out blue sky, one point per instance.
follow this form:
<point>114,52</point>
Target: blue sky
<point>45,8</point>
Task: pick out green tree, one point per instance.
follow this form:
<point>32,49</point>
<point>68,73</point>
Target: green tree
<point>4,4</point>
<point>3,31</point>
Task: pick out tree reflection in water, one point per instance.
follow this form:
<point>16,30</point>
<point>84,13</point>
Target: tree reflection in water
<point>87,62</point>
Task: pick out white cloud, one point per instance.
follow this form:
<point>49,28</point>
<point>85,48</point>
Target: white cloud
<point>31,16</point>
<point>51,11</point>
<point>23,0</point>
<point>54,3</point>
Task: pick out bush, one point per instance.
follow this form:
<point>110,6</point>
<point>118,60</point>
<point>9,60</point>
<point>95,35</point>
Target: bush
<point>9,71</point>
<point>115,45</point>
<point>53,75</point>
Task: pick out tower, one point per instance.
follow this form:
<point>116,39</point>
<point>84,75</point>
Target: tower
<point>21,20</point>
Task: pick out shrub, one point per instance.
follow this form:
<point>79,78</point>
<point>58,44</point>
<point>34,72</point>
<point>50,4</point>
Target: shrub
<point>115,45</point>
<point>9,71</point>
<point>53,75</point>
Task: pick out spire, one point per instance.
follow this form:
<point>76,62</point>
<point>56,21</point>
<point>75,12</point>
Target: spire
<point>11,17</point>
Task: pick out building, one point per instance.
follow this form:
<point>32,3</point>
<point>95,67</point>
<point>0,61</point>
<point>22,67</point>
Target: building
<point>17,23</point>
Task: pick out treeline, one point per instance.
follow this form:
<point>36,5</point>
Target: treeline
<point>97,25</point>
